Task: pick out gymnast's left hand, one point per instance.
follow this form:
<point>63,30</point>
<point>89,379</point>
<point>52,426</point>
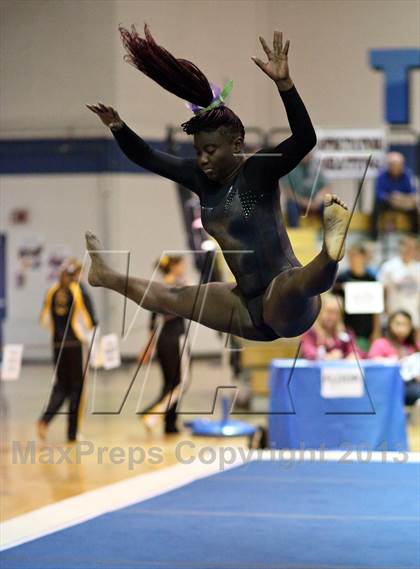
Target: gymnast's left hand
<point>108,115</point>
<point>277,67</point>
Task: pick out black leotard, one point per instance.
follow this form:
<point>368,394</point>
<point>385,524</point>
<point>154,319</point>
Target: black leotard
<point>243,215</point>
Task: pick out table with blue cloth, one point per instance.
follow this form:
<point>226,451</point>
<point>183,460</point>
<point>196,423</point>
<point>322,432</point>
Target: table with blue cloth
<point>301,418</point>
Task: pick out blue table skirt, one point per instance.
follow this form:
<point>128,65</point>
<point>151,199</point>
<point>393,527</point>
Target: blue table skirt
<point>301,418</point>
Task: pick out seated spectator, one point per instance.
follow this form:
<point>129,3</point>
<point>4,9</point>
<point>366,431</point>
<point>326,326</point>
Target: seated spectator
<point>401,279</point>
<point>395,191</point>
<point>304,187</point>
<point>328,339</point>
<point>366,327</point>
<point>399,342</point>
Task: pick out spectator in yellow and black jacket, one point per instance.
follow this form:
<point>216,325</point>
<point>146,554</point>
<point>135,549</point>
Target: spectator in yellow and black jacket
<point>63,309</point>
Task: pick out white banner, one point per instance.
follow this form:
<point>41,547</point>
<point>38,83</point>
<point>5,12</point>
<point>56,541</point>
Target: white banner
<point>12,362</point>
<point>364,297</point>
<point>339,382</point>
<point>344,152</point>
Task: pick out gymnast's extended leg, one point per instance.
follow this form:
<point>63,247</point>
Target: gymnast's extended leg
<point>215,305</point>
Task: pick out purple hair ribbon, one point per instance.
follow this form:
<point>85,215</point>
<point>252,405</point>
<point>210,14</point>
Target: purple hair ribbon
<point>219,97</point>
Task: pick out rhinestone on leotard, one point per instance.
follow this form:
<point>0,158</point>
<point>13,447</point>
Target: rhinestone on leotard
<point>248,201</point>
<point>229,198</point>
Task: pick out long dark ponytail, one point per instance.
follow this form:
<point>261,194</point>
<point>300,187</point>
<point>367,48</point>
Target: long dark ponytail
<point>180,77</point>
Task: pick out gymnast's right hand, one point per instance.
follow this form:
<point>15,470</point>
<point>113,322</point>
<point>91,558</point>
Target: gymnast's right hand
<point>108,115</point>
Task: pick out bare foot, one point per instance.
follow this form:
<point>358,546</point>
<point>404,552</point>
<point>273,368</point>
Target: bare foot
<point>42,428</point>
<point>98,269</point>
<point>336,221</point>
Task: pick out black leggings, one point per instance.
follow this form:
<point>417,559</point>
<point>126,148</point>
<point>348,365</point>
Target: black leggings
<point>169,353</point>
<point>68,385</point>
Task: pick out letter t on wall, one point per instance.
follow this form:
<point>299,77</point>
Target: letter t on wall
<point>396,64</point>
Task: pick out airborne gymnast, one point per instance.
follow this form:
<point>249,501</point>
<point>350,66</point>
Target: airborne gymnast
<point>274,295</point>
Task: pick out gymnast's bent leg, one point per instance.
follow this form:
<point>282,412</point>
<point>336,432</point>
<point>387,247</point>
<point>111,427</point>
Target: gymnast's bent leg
<point>215,305</point>
<point>291,302</point>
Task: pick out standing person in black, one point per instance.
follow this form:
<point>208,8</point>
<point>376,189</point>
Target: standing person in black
<point>274,295</point>
<point>366,327</point>
<point>63,307</point>
<point>169,350</point>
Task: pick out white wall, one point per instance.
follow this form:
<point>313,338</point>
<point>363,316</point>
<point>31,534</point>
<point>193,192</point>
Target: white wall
<point>56,55</point>
<point>57,206</point>
<point>330,43</point>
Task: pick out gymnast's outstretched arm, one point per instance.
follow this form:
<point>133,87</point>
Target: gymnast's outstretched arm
<point>286,155</point>
<point>179,170</point>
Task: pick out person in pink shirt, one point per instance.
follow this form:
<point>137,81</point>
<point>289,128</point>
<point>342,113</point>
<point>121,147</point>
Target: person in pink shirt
<point>399,342</point>
<point>328,339</point>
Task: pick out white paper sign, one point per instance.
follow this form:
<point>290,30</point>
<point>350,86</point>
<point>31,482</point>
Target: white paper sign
<point>410,367</point>
<point>341,382</point>
<point>345,152</point>
<point>110,351</point>
<point>12,362</point>
<point>363,298</point>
